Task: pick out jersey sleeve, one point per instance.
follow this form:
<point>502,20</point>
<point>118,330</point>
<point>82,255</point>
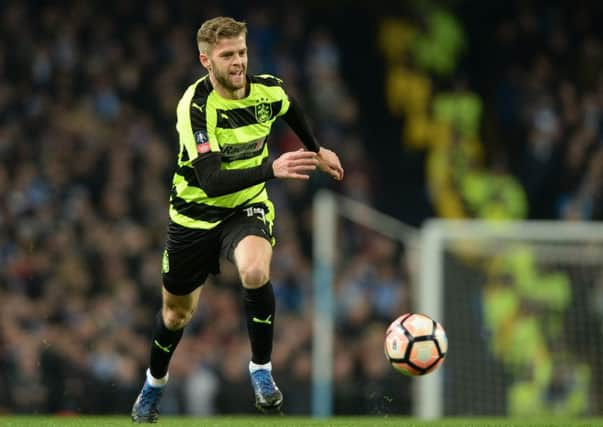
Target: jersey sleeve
<point>285,105</point>
<point>299,123</point>
<point>197,128</point>
<point>203,126</point>
<point>285,98</point>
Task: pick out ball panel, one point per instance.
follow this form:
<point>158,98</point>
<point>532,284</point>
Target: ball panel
<point>396,323</point>
<point>396,344</point>
<point>423,354</point>
<point>406,369</point>
<point>435,366</point>
<point>418,325</point>
<point>442,339</point>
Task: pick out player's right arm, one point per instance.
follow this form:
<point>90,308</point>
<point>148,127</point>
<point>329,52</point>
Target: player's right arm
<point>202,146</point>
<point>328,161</point>
<point>216,182</point>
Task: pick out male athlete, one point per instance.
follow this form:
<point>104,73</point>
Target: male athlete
<point>219,204</point>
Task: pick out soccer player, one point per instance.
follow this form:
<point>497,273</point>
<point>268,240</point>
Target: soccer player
<point>219,204</point>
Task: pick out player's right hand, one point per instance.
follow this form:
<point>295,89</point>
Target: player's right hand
<point>295,164</point>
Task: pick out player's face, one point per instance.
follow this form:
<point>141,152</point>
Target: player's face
<point>228,61</point>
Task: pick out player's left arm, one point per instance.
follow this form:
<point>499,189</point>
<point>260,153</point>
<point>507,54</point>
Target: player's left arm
<point>328,161</point>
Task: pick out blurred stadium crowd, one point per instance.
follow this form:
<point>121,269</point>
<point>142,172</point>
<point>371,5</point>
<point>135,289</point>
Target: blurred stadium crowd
<point>87,149</point>
<point>506,101</point>
<point>88,145</point>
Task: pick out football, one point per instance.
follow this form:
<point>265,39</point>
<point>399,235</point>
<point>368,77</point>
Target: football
<point>415,344</point>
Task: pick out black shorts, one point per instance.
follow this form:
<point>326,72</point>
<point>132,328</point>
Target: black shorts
<point>191,255</point>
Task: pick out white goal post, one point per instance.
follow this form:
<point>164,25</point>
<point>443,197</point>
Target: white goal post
<point>328,207</point>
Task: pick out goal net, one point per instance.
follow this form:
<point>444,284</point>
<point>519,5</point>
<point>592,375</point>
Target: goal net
<point>522,304</point>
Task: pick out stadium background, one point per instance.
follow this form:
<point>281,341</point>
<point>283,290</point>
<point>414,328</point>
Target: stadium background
<point>450,109</point>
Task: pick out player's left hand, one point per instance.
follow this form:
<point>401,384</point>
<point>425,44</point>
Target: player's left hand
<point>328,162</point>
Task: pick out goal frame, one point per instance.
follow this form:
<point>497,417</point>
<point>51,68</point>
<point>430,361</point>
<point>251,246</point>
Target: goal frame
<point>429,290</point>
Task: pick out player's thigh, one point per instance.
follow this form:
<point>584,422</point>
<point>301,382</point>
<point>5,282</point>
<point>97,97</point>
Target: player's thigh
<point>252,258</point>
<point>247,241</point>
<point>256,221</point>
<point>186,265</point>
<point>253,251</point>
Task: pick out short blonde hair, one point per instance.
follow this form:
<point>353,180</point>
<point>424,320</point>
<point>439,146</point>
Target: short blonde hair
<point>217,28</point>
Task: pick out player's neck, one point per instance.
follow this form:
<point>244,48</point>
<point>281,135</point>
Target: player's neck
<point>228,94</point>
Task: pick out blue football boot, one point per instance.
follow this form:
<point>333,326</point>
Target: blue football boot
<point>268,398</point>
<point>146,407</point>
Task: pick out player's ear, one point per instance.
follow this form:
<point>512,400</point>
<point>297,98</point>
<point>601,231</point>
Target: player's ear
<point>204,60</point>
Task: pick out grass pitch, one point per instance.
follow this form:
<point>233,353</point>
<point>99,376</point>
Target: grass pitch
<point>259,421</point>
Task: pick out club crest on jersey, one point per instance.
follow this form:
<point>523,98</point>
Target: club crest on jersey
<point>263,112</point>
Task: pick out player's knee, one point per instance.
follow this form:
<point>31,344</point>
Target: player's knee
<point>254,276</point>
<point>176,317</point>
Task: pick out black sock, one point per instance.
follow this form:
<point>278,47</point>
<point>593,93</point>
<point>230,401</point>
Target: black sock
<point>163,346</point>
<point>259,308</point>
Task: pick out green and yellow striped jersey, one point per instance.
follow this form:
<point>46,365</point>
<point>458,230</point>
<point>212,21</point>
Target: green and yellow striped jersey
<point>236,128</point>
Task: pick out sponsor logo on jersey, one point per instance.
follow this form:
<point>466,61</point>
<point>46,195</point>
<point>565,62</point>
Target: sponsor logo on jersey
<point>243,150</point>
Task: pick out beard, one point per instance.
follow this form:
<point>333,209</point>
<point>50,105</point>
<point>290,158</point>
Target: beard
<point>227,83</point>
